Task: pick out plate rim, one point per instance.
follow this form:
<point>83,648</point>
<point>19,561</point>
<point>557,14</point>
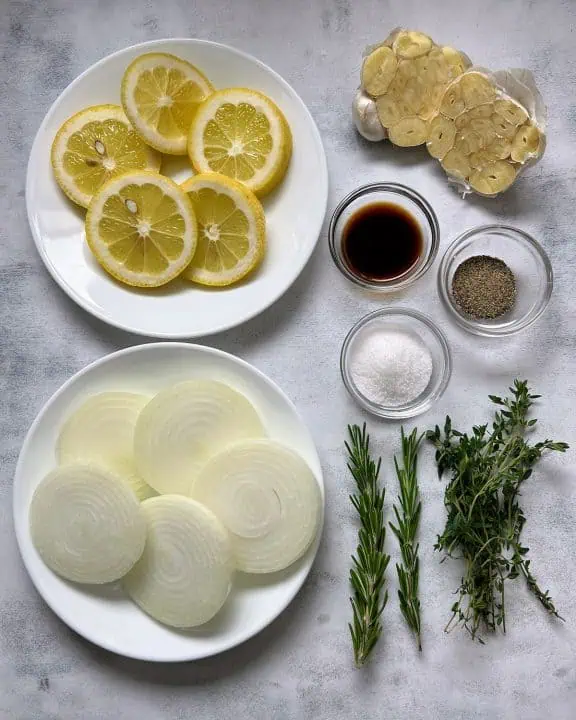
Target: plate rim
<point>72,293</point>
<point>25,450</point>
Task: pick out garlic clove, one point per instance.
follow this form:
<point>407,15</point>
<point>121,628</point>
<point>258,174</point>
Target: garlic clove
<point>366,118</point>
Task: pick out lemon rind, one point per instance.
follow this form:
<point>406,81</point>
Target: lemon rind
<point>268,177</point>
<point>100,250</point>
<point>129,81</point>
<point>249,204</point>
<point>96,113</point>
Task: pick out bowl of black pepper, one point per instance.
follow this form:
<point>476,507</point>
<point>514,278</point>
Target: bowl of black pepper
<point>495,280</point>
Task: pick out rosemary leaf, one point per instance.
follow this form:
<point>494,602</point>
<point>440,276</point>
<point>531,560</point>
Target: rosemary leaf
<point>406,528</point>
<point>368,572</point>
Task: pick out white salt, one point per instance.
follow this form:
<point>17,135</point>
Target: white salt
<point>390,367</point>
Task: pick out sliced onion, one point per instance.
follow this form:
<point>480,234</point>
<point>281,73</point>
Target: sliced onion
<point>184,575</point>
<point>267,498</point>
<point>86,524</point>
<point>141,489</point>
<point>101,431</point>
<point>185,425</point>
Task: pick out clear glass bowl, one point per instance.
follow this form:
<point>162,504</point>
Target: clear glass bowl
<point>523,255</point>
<point>417,325</point>
<point>395,194</point>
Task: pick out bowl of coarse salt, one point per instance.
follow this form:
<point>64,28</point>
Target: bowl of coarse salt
<point>395,363</point>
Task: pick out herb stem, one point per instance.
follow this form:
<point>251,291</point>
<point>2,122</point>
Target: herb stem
<point>484,519</point>
<point>408,519</point>
<point>368,572</point>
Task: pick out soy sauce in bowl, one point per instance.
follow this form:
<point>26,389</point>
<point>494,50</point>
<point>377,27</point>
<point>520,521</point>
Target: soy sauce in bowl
<point>382,241</point>
<point>383,237</point>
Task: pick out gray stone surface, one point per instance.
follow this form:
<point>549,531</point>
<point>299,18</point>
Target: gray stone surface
<point>301,666</point>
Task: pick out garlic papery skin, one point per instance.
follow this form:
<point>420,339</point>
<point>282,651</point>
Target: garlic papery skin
<point>366,118</point>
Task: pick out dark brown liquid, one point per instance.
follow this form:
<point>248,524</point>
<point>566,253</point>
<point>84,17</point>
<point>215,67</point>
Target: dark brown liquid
<point>381,241</point>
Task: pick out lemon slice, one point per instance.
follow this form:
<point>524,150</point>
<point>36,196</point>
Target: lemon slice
<point>95,145</point>
<point>160,95</point>
<point>241,133</point>
<point>231,230</point>
<point>141,228</point>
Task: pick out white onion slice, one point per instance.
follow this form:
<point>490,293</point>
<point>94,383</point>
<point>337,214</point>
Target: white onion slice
<point>101,431</point>
<point>86,524</point>
<point>184,575</point>
<point>142,490</point>
<point>185,425</point>
<point>267,498</point>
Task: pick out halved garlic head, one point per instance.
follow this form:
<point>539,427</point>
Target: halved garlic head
<point>482,135</point>
<point>406,77</point>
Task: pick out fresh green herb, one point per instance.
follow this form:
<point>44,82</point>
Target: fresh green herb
<point>485,520</point>
<point>368,572</point>
<point>407,519</point>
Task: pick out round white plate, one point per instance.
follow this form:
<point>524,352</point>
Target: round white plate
<point>103,614</point>
<point>294,212</point>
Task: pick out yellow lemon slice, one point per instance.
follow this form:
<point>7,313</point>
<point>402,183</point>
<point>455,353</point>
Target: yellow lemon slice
<point>95,145</point>
<point>231,230</point>
<point>241,133</point>
<point>141,228</point>
<point>160,95</point>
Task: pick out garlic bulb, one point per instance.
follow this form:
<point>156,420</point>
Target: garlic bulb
<point>366,117</point>
<point>487,128</point>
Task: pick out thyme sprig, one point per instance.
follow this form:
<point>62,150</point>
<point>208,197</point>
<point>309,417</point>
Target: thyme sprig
<point>484,519</point>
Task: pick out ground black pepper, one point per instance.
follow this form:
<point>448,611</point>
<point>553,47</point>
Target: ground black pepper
<point>484,287</point>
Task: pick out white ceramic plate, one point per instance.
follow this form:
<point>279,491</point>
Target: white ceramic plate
<point>104,615</point>
<point>294,212</point>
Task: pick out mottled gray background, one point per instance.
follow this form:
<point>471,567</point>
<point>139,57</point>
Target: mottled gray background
<point>301,666</point>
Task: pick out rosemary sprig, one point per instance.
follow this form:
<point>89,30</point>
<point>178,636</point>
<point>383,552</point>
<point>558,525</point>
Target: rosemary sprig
<point>485,520</point>
<point>407,519</point>
<point>368,572</point>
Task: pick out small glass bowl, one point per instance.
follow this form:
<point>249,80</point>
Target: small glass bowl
<point>395,194</point>
<point>523,255</point>
<point>417,325</point>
